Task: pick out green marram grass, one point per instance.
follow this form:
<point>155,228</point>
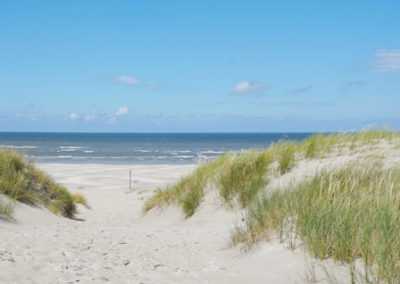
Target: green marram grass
<point>6,209</point>
<point>349,214</point>
<point>319,145</point>
<point>189,190</point>
<point>22,181</point>
<point>80,199</point>
<point>239,177</point>
<point>286,157</point>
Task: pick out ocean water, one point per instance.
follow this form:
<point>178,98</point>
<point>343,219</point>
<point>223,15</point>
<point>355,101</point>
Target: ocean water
<point>136,148</point>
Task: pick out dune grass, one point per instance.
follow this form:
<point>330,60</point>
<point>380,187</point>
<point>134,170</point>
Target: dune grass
<point>22,181</point>
<point>6,209</point>
<point>320,144</point>
<point>80,199</point>
<point>242,177</point>
<point>346,215</point>
<point>239,177</point>
<point>286,157</point>
<point>188,192</point>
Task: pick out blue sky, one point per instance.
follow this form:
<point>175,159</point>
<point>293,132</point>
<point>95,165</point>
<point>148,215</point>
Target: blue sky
<point>199,66</point>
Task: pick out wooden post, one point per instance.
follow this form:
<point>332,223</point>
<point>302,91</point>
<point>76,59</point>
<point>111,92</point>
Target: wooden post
<point>130,179</point>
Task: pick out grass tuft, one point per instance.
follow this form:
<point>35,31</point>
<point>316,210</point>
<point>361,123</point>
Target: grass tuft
<point>80,199</point>
<point>346,215</point>
<point>23,182</point>
<point>286,157</point>
<point>188,192</point>
<point>243,177</point>
<point>6,209</point>
<point>240,177</point>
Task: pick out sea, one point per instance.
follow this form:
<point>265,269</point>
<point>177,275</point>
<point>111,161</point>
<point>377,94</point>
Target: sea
<point>136,148</point>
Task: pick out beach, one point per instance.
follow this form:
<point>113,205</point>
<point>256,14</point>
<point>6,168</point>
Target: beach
<point>199,142</point>
<point>113,242</point>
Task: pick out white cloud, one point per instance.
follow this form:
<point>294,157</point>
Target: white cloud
<point>90,117</point>
<point>121,111</point>
<point>130,80</point>
<point>249,87</point>
<point>112,120</point>
<point>73,116</point>
<point>126,79</point>
<point>387,61</point>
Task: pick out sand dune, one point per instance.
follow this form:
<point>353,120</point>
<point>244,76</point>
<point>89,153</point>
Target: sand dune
<point>114,242</point>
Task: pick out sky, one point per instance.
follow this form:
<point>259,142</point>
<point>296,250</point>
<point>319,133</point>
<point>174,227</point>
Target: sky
<point>199,66</point>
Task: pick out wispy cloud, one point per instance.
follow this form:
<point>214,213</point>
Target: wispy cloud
<point>121,111</point>
<point>303,89</point>
<point>249,87</point>
<point>72,116</point>
<point>133,81</point>
<point>90,117</point>
<point>387,61</point>
<point>126,79</point>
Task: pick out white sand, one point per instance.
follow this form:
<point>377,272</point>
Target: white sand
<point>113,241</point>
